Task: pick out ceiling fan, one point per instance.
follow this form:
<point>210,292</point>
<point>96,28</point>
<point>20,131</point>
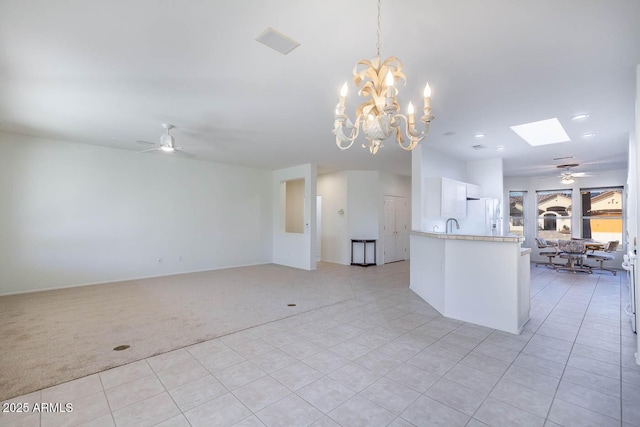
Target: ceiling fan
<point>568,177</point>
<point>167,143</point>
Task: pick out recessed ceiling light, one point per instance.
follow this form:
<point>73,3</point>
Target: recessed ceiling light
<point>479,135</point>
<point>588,135</point>
<point>543,132</point>
<point>580,116</point>
<point>500,148</point>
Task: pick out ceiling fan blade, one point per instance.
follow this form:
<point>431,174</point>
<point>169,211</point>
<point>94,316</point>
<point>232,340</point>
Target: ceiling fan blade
<point>180,152</point>
<point>150,149</point>
<point>146,142</point>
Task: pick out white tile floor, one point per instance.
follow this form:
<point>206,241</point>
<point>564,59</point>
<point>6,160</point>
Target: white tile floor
<point>384,358</point>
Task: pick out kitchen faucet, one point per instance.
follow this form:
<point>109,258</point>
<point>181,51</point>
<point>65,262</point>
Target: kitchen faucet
<point>447,225</point>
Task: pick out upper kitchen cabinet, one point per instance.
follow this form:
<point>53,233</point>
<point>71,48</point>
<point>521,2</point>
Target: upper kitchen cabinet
<point>445,198</point>
<point>454,199</point>
<point>474,192</point>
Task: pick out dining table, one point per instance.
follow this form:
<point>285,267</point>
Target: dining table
<point>594,246</point>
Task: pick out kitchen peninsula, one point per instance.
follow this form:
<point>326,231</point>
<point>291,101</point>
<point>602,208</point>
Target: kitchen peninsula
<point>477,279</point>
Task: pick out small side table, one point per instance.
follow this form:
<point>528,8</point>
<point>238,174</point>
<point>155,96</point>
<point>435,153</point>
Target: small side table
<point>364,252</point>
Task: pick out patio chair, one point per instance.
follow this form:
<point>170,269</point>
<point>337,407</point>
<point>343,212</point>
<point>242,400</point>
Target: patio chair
<point>605,255</point>
<point>574,251</point>
<point>550,250</point>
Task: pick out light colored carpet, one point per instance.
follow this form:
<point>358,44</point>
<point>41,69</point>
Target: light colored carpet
<point>47,338</point>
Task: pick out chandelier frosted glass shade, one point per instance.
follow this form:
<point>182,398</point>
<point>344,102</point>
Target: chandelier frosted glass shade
<point>379,116</point>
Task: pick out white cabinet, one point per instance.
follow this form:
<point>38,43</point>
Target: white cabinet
<point>474,192</point>
<point>454,199</point>
<point>445,198</point>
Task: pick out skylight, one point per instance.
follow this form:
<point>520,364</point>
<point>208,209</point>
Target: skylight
<point>544,132</point>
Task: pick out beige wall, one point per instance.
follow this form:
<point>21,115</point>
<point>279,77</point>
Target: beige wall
<point>294,211</point>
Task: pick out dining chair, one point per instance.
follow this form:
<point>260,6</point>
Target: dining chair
<point>549,250</point>
<point>574,251</point>
<point>605,255</point>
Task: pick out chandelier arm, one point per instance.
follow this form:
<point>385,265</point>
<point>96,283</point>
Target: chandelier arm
<point>410,130</point>
<point>339,131</point>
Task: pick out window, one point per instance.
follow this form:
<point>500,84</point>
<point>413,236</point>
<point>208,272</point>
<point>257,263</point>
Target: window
<point>602,214</point>
<point>516,212</point>
<point>554,214</point>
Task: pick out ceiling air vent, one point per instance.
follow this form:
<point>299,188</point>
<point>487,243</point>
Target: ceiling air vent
<point>479,147</point>
<point>277,41</point>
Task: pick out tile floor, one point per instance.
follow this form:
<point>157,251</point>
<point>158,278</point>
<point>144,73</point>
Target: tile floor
<point>383,358</point>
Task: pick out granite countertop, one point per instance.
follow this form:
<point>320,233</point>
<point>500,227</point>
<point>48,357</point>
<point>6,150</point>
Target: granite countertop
<point>509,239</point>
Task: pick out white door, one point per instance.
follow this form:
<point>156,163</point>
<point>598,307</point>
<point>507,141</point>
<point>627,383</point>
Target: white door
<point>395,228</point>
<point>389,229</point>
<point>402,232</point>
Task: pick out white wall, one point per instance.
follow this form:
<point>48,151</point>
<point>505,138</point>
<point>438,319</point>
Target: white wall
<point>333,189</point>
<point>363,192</point>
<point>395,185</point>
<point>632,192</point>
<point>488,174</point>
<point>437,164</point>
<point>633,168</point>
<point>416,188</point>
<point>429,163</point>
<point>357,193</point>
<point>295,249</point>
<point>76,214</point>
<point>360,194</point>
<point>363,220</point>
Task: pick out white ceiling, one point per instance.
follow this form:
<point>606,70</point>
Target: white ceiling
<point>110,72</point>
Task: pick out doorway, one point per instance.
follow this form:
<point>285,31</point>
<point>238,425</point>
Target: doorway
<point>396,219</point>
<point>318,228</point>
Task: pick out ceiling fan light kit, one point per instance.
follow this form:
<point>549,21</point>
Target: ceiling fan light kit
<point>167,143</point>
<point>567,177</point>
<point>166,140</point>
<point>379,116</point>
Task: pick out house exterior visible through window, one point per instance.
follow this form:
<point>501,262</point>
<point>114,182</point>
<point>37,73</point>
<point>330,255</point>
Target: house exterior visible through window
<point>602,218</point>
<point>516,212</point>
<point>554,214</point>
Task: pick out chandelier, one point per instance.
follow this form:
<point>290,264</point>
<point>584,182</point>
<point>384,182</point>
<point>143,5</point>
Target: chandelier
<point>379,115</point>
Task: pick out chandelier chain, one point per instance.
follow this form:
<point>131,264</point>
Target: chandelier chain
<point>378,44</point>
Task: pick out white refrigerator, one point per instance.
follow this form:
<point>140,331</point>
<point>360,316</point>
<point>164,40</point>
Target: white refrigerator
<point>483,218</point>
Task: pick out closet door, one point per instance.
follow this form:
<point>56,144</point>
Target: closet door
<point>395,228</point>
